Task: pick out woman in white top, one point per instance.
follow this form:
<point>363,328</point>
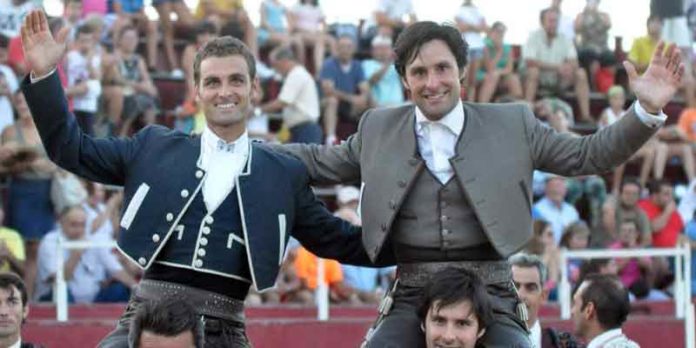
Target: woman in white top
<point>472,25</point>
<point>308,22</point>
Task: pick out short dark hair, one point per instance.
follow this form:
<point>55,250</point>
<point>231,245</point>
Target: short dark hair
<point>530,261</point>
<point>283,52</point>
<point>630,181</point>
<point>543,13</point>
<point>454,285</point>
<point>416,35</point>
<point>609,297</point>
<point>205,27</point>
<point>168,317</point>
<point>224,46</point>
<point>655,186</point>
<point>9,279</point>
<point>592,266</point>
<point>84,29</point>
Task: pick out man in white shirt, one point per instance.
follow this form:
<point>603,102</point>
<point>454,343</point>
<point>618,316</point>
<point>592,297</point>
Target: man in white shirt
<point>600,307</point>
<point>529,276</point>
<point>298,99</point>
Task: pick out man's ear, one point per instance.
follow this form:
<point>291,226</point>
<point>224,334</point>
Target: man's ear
<point>481,333</point>
<point>589,311</point>
<point>463,74</point>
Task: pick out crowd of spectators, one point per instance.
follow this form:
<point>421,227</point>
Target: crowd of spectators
<point>316,80</point>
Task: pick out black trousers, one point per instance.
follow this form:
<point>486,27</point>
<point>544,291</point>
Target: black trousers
<point>219,333</point>
<point>402,327</point>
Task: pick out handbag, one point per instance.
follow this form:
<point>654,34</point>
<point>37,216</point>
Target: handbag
<point>66,191</point>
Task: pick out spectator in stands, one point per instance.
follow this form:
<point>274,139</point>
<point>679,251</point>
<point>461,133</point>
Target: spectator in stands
<point>84,77</point>
<point>529,276</point>
<point>309,23</point>
<point>624,207</point>
<point>30,211</point>
<point>224,12</point>
<point>394,15</point>
<point>498,66</point>
<point>132,13</point>
<point>600,307</point>
<point>687,203</point>
<point>630,269</point>
<point>675,30</point>
<point>100,211</point>
<point>274,28</point>
<point>576,236</point>
<point>545,247</point>
<point>8,85</point>
<point>72,15</point>
<point>93,274</point>
<point>298,99</point>
<point>12,255</point>
<point>592,30</point>
<point>566,25</point>
<point>306,266</point>
<point>385,85</point>
<point>551,62</point>
<point>165,8</point>
<point>13,311</point>
<point>345,91</point>
<point>676,142</point>
<point>661,209</point>
<point>555,113</point>
<point>455,309</point>
<point>611,114</point>
<point>12,15</point>
<point>167,323</point>
<point>553,207</point>
<point>598,266</point>
<point>643,47</point>
<point>138,91</point>
<point>472,25</point>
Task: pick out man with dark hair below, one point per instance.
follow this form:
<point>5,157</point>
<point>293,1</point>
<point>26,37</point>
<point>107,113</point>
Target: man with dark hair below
<point>206,216</point>
<point>600,307</point>
<point>529,276</point>
<point>171,323</point>
<point>13,311</point>
<point>447,183</point>
<point>455,309</point>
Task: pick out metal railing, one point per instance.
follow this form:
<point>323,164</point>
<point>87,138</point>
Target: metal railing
<point>60,287</point>
<point>684,308</point>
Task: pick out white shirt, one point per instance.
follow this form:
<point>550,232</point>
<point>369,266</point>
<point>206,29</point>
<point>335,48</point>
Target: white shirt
<point>12,16</point>
<point>17,344</point>
<point>78,71</point>
<point>437,140</point>
<point>535,335</point>
<point>308,18</point>
<point>300,93</point>
<point>6,110</point>
<point>472,16</point>
<point>222,166</point>
<point>607,339</point>
<point>558,217</point>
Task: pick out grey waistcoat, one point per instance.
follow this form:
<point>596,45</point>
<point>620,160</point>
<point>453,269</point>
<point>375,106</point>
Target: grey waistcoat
<point>437,216</point>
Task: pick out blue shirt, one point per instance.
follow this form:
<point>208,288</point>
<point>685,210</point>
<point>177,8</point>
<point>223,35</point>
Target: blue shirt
<point>558,218</point>
<point>387,91</point>
<point>345,81</point>
<point>128,6</point>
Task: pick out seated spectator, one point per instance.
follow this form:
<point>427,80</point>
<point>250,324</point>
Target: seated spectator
<point>224,12</point>
<point>393,16</point>
<point>592,30</point>
<point>30,210</point>
<point>274,31</point>
<point>132,13</point>
<point>553,208</point>
<point>8,85</point>
<point>544,246</point>
<point>555,113</point>
<point>84,77</point>
<point>345,92</point>
<point>12,15</point>
<point>575,237</point>
<point>138,92</point>
<point>298,99</point>
<point>455,309</point>
<point>617,100</point>
<point>677,141</point>
<point>93,275</point>
<point>309,24</point>
<point>472,25</point>
<point>306,269</point>
<point>498,66</point>
<point>165,8</point>
<point>661,209</point>
<point>167,323</point>
<point>624,207</point>
<point>12,256</point>
<point>630,269</point>
<point>385,85</point>
<point>14,310</point>
<point>598,266</point>
<point>551,62</point>
<point>600,307</point>
<point>529,275</point>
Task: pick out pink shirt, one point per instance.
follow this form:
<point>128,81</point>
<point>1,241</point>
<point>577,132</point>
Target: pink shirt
<point>93,6</point>
<point>630,272</point>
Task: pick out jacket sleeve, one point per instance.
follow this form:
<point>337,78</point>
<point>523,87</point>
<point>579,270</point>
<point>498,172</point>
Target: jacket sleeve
<point>331,164</point>
<point>570,155</point>
<point>326,235</point>
<point>102,160</point>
